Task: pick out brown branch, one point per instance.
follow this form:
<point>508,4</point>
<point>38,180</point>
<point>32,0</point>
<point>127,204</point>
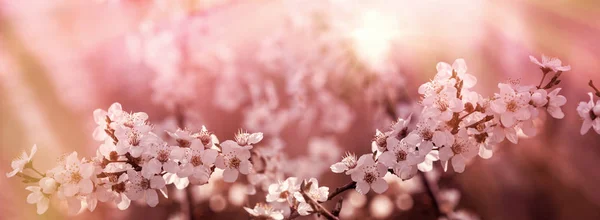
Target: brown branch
<point>591,84</point>
<point>350,185</point>
<point>318,208</point>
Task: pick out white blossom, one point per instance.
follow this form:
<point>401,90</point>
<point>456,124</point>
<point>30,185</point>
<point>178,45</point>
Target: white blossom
<point>39,198</point>
<point>283,191</point>
<point>315,192</point>
<point>140,187</point>
<point>20,162</point>
<point>590,114</point>
<point>550,63</point>
<point>263,211</point>
<point>369,174</point>
<point>233,160</point>
<point>511,105</point>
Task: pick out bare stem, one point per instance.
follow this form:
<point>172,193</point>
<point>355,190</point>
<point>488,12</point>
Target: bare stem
<point>594,87</point>
<point>318,208</point>
<point>350,185</point>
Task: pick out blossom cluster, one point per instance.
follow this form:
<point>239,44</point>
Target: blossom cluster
<point>455,125</point>
<point>134,163</point>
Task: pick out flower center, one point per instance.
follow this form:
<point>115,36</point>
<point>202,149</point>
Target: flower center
<point>401,155</point>
<point>592,115</point>
<point>205,137</point>
<point>145,184</point>
<point>134,139</point>
<point>458,148</point>
<point>196,160</point>
<point>119,188</point>
<point>234,163</point>
<point>370,177</point>
<point>512,106</point>
<point>163,156</point>
<point>76,177</point>
<point>427,135</point>
<point>183,143</point>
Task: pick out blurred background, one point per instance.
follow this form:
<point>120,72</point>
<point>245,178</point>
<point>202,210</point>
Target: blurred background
<point>314,76</point>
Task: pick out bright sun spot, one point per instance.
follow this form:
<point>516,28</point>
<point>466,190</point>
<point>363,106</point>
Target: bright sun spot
<point>373,37</point>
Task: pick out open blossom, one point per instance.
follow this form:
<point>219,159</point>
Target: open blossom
<point>245,139</point>
<point>233,160</point>
<point>134,134</point>
<point>74,176</point>
<point>20,162</point>
<point>462,150</point>
<point>347,163</point>
<point>264,211</point>
<point>113,189</point>
<point>401,156</point>
<point>550,63</point>
<point>590,114</point>
<point>39,198</point>
<point>283,191</point>
<point>511,105</point>
<point>445,72</point>
<point>369,174</point>
<point>182,137</point>
<point>162,155</point>
<point>104,119</point>
<point>197,162</point>
<point>315,192</point>
<point>140,187</point>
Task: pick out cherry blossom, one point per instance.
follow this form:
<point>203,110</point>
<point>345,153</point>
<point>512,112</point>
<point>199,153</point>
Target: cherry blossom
<point>21,162</point>
<point>197,162</point>
<point>511,105</point>
<point>234,160</point>
<point>105,118</point>
<point>263,211</point>
<point>368,174</point>
<point>39,198</point>
<point>140,187</point>
<point>590,114</point>
<point>283,191</point>
<point>74,176</point>
<point>348,162</point>
<point>462,150</point>
<point>315,192</point>
<point>550,63</point>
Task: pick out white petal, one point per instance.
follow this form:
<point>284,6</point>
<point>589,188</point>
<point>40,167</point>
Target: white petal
<point>209,156</point>
<point>157,182</point>
<point>362,187</point>
<point>34,197</point>
<point>151,198</point>
<point>70,189</point>
<point>245,167</point>
<point>485,153</point>
<point>230,175</point>
<point>85,186</point>
<point>458,163</point>
<point>74,205</point>
<point>42,205</point>
<point>339,167</point>
<point>255,138</point>
<point>379,186</point>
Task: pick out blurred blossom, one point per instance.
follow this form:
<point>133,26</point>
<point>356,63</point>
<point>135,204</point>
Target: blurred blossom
<point>237,194</point>
<point>404,202</point>
<point>217,203</point>
<point>381,207</point>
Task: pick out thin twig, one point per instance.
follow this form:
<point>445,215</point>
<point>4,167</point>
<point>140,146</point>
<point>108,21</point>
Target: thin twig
<point>350,185</point>
<point>594,87</point>
<point>318,208</point>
